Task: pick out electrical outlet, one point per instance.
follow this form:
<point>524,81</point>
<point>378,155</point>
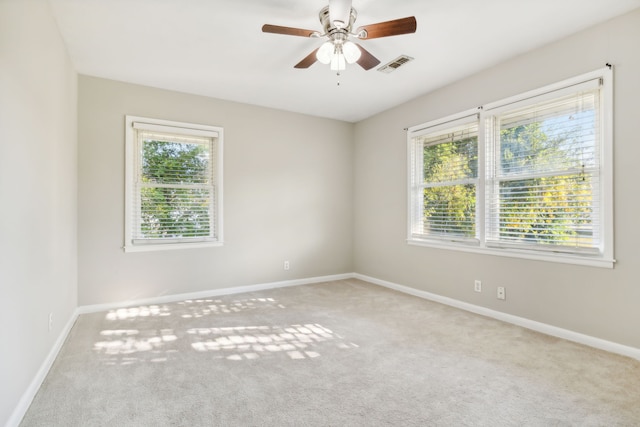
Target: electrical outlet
<point>501,292</point>
<point>286,265</point>
<point>477,286</point>
<point>50,321</point>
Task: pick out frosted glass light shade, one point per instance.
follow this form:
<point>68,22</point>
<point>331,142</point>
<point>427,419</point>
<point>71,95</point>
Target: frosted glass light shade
<point>337,62</point>
<point>351,52</point>
<point>325,53</point>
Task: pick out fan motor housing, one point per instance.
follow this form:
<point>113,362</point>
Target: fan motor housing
<point>328,26</point>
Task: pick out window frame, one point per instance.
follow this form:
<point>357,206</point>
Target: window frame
<point>132,196</point>
<point>605,256</point>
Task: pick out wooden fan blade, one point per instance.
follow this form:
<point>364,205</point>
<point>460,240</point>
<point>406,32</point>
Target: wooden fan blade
<point>389,28</point>
<point>288,31</point>
<point>366,60</point>
<point>308,60</point>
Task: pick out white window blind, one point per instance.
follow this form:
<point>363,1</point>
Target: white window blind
<point>543,179</point>
<point>173,184</point>
<point>445,177</point>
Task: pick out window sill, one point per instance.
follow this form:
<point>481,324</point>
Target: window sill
<point>170,246</point>
<point>514,253</point>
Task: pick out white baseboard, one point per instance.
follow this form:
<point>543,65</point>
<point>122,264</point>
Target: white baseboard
<point>28,396</point>
<point>508,318</point>
<point>212,293</point>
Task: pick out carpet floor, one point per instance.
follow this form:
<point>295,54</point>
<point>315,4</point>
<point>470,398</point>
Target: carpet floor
<point>344,353</point>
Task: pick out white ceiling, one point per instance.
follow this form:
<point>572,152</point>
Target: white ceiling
<point>216,47</point>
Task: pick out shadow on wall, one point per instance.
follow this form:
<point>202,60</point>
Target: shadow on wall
<point>157,333</point>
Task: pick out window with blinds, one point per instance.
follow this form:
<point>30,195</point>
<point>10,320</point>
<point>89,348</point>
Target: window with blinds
<point>174,191</point>
<point>530,176</point>
<point>544,181</point>
<point>445,172</point>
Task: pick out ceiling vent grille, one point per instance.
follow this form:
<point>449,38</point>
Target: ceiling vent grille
<point>395,64</point>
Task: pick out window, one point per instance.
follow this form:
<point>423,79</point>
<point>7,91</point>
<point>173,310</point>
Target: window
<point>530,176</point>
<point>445,171</point>
<point>173,185</point>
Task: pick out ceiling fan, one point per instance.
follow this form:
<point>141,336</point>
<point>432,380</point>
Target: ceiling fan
<point>338,20</point>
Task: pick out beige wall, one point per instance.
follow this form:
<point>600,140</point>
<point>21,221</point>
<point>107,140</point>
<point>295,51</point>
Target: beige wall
<point>594,301</point>
<point>287,196</point>
<point>38,183</point>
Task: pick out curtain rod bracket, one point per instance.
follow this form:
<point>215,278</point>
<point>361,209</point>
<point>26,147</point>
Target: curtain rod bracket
<point>609,66</point>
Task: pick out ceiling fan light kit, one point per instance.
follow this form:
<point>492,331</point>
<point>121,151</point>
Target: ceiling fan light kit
<point>337,20</point>
<point>338,54</point>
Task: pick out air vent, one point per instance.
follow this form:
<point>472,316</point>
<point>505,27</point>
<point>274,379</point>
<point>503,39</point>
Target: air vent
<point>395,64</point>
